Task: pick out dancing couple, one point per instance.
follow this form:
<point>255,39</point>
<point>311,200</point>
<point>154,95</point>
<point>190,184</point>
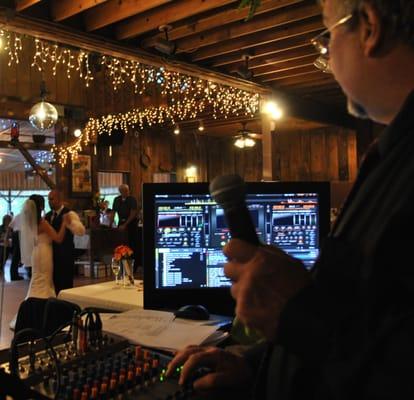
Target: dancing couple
<point>47,244</point>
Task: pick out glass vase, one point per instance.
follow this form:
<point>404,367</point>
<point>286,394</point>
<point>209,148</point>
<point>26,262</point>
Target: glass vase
<point>128,273</point>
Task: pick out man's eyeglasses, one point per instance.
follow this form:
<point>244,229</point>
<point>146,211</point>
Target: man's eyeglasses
<point>321,43</point>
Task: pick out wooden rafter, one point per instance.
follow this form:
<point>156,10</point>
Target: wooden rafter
<point>223,18</point>
<point>285,65</point>
<point>239,29</point>
<point>166,14</point>
<point>263,51</point>
<point>272,62</point>
<point>270,35</point>
<point>39,170</point>
<point>283,56</point>
<point>114,11</point>
<point>308,69</point>
<point>52,32</point>
<point>23,4</point>
<point>63,9</point>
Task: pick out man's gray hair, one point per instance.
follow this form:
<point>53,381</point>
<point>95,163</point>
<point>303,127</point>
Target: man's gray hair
<point>123,186</point>
<point>397,16</point>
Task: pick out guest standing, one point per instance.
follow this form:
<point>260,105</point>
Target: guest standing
<point>5,239</point>
<point>126,207</point>
<point>63,253</point>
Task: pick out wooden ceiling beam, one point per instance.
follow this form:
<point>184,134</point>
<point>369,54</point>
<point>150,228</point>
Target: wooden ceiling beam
<point>257,39</point>
<point>167,14</point>
<point>257,24</point>
<point>23,4</point>
<point>262,52</point>
<point>290,54</point>
<point>67,36</point>
<point>63,9</point>
<point>115,10</point>
<point>225,17</point>
<point>290,72</point>
<point>284,65</point>
<point>310,79</point>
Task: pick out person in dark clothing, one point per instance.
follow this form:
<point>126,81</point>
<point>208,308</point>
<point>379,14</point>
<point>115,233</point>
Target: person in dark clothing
<point>5,236</point>
<point>346,330</point>
<point>63,253</point>
<point>126,207</point>
<point>16,257</point>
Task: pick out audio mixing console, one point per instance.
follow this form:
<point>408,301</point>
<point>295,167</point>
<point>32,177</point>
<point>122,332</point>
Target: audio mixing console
<point>114,369</point>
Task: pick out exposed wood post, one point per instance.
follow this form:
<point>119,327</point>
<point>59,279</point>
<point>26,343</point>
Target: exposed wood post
<point>40,171</point>
<point>268,127</point>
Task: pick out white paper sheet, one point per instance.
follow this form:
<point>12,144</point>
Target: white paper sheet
<point>157,329</point>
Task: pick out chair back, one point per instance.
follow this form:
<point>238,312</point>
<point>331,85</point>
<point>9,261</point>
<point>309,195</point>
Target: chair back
<point>44,315</point>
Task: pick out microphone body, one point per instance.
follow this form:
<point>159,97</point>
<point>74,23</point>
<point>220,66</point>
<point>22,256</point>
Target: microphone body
<point>229,191</point>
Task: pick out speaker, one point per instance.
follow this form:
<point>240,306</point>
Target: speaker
<point>115,138</point>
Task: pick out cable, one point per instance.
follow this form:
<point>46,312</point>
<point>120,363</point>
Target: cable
<point>14,356</point>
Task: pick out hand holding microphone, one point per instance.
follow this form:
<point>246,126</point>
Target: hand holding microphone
<point>264,277</point>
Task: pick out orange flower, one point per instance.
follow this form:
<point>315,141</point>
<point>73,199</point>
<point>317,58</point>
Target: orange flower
<point>122,252</point>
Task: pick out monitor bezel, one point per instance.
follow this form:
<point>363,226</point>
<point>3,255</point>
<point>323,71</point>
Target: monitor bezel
<point>217,300</point>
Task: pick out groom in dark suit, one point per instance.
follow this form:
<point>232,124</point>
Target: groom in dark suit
<point>63,253</point>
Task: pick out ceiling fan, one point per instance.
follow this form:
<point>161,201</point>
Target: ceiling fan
<point>245,138</point>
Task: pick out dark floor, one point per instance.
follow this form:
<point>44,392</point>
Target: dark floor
<point>15,292</point>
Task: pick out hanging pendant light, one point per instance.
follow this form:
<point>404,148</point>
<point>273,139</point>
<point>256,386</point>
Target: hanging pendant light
<point>43,115</point>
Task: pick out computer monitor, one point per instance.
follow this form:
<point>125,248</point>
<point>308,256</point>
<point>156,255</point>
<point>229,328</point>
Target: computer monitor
<point>184,231</point>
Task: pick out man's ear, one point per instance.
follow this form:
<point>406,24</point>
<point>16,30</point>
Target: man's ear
<point>371,29</point>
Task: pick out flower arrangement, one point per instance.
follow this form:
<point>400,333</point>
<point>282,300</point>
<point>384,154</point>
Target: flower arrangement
<point>123,252</point>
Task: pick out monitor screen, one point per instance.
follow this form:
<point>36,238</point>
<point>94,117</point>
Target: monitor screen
<point>185,231</point>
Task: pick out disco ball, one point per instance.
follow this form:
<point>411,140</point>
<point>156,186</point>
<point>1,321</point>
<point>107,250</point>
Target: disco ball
<point>43,116</point>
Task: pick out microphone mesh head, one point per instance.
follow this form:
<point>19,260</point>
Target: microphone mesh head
<point>228,190</point>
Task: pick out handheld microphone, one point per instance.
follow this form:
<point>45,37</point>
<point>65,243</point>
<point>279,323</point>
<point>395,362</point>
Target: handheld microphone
<point>229,191</point>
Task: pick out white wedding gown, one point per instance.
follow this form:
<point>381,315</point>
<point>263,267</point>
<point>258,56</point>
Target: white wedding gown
<point>41,284</point>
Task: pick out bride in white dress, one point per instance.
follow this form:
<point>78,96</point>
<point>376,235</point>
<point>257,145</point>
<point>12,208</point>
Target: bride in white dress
<point>36,239</point>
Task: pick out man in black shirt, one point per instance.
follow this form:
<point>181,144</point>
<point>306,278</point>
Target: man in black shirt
<point>346,330</point>
<point>126,207</point>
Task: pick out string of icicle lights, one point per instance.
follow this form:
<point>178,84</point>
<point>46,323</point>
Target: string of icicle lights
<point>186,96</point>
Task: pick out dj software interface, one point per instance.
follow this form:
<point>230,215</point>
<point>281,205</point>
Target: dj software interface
<point>191,232</point>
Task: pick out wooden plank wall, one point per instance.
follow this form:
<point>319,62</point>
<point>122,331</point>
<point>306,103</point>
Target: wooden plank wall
<point>318,154</point>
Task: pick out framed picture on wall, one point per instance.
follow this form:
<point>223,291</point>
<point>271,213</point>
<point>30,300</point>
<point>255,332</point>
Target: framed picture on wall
<point>81,176</point>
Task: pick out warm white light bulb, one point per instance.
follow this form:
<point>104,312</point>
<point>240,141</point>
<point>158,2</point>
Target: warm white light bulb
<point>176,130</point>
<point>249,142</point>
<point>273,110</point>
<point>239,143</point>
<point>201,127</point>
<point>77,133</point>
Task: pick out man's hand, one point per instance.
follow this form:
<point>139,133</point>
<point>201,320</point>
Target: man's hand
<point>264,279</point>
<point>228,370</point>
